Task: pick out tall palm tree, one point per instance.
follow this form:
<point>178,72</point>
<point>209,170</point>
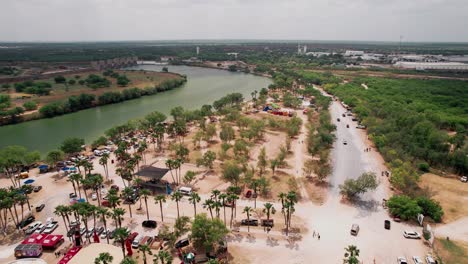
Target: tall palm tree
<point>160,198</point>
<point>170,164</point>
<point>127,193</point>
<point>104,214</point>
<point>232,198</point>
<point>209,204</point>
<point>248,210</point>
<point>85,182</point>
<point>113,199</point>
<point>104,258</point>
<point>269,210</point>
<point>120,235</point>
<point>145,249</point>
<point>104,160</point>
<point>164,256</point>
<point>222,197</point>
<point>177,196</point>
<point>215,193</point>
<point>62,210</point>
<point>76,178</point>
<point>194,199</point>
<point>217,207</point>
<point>144,194</point>
<point>118,214</point>
<point>96,181</point>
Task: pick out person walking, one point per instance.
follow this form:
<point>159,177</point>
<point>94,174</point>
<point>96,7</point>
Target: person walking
<point>318,236</point>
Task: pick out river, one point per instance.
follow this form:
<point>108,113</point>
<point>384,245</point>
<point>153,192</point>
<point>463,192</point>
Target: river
<point>203,86</point>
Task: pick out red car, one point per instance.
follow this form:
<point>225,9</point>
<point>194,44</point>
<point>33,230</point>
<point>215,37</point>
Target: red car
<point>248,193</point>
<point>132,236</point>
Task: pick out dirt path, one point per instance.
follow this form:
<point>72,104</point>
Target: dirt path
<point>299,149</point>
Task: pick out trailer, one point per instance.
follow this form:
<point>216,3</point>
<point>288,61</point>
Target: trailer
<point>28,251</point>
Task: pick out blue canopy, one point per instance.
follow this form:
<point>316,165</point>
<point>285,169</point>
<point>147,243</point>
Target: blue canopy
<point>43,166</point>
<point>28,181</point>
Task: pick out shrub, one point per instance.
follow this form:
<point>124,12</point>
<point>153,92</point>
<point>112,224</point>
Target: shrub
<point>30,105</point>
<point>423,166</point>
<point>404,207</point>
<point>430,208</point>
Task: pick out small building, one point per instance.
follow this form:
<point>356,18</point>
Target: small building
<point>152,178</point>
<point>350,53</point>
<point>440,66</point>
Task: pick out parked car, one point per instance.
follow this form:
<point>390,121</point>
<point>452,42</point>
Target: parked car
<point>37,188</point>
<point>411,234</point>
<point>267,222</point>
<point>132,236</point>
<point>72,195</point>
<point>354,229</point>
<point>99,230</point>
<point>105,203</point>
<point>417,260</point>
<point>430,260</point>
<point>185,190</point>
<point>82,231</point>
<point>387,224</point>
<point>136,241</point>
<point>74,223</point>
<point>248,193</point>
<point>50,227</point>
<point>464,179</point>
<point>40,207</point>
<point>345,142</point>
<point>32,227</point>
<point>40,228</point>
<point>182,243</point>
<point>361,126</point>
<point>402,260</point>
<point>90,232</point>
<point>26,221</point>
<point>249,222</point>
<point>149,224</point>
<point>94,196</point>
<point>105,233</point>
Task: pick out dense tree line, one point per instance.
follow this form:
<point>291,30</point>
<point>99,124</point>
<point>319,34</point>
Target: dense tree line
<point>83,101</point>
<point>31,87</point>
<point>409,120</point>
<point>230,100</point>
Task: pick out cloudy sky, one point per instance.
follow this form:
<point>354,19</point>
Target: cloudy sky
<point>100,20</point>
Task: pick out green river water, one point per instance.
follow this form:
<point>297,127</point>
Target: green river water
<point>203,87</point>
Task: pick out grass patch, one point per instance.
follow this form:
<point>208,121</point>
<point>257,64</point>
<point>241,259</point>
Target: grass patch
<point>451,251</point>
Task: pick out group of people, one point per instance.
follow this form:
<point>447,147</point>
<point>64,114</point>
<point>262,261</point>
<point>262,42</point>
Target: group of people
<point>367,149</point>
<point>318,235</point>
<point>385,173</point>
<point>59,253</point>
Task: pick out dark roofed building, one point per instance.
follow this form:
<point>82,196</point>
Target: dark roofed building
<point>152,178</point>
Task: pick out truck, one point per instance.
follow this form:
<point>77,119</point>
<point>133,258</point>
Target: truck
<point>28,251</point>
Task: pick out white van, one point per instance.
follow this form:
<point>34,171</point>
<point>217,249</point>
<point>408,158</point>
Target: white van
<point>185,190</point>
<point>136,241</point>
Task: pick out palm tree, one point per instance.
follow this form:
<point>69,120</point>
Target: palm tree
<point>62,210</point>
<point>76,178</point>
<point>104,214</point>
<point>96,181</point>
<point>104,161</point>
<point>209,204</point>
<point>127,193</point>
<point>171,165</point>
<point>215,193</point>
<point>222,197</point>
<point>194,199</point>
<point>145,249</point>
<point>144,194</point>
<point>117,214</point>
<point>121,234</point>
<point>177,196</point>
<point>352,252</point>
<point>269,210</point>
<point>113,199</point>
<point>232,198</point>
<point>104,258</point>
<point>161,198</point>
<point>128,260</point>
<point>164,256</point>
<point>247,210</point>
<point>217,206</point>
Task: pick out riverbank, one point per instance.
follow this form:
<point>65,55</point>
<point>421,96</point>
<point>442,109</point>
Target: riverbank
<point>77,94</point>
<point>204,87</point>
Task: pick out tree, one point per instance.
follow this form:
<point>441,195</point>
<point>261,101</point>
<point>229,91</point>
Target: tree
<point>194,199</point>
<point>231,172</point>
<point>120,235</point>
<point>160,199</point>
<point>177,196</point>
<point>128,260</point>
<point>145,193</point>
<point>72,145</point>
<point>103,160</point>
<point>273,165</point>
<point>164,257</point>
<point>104,214</point>
<point>248,210</point>
<point>145,249</point>
<point>165,69</point>
<point>104,258</point>
<point>227,132</point>
<point>269,209</point>
<point>207,159</point>
<point>404,207</point>
<point>430,208</point>
<point>351,188</point>
<point>181,226</point>
<point>262,161</point>
<point>60,79</point>
<point>54,156</point>
<point>351,255</point>
<point>128,193</point>
<point>206,232</point>
<point>30,105</point>
<point>189,177</point>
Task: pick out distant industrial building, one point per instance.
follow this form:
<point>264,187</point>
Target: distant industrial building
<point>114,63</point>
<point>440,66</point>
<point>318,54</point>
<point>350,53</point>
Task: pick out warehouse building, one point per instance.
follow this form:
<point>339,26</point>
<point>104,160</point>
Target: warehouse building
<point>439,66</point>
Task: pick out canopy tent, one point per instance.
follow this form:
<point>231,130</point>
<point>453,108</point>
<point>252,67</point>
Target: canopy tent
<point>35,238</point>
<point>70,254</point>
<point>28,181</point>
<point>152,172</point>
<point>52,241</point>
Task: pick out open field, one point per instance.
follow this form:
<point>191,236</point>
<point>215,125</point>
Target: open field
<point>450,193</point>
<point>451,251</point>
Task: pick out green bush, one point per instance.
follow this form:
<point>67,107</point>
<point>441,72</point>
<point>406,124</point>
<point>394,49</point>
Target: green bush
<point>30,105</point>
<point>403,207</point>
<point>430,208</point>
<point>423,166</point>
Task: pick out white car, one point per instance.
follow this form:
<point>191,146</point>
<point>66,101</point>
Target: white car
<point>82,231</point>
<point>49,220</point>
<point>411,234</point>
<point>32,227</point>
<point>94,196</point>
<point>464,179</point>
<point>430,260</point>
<point>402,260</point>
<point>50,227</point>
<point>104,233</point>
<point>417,260</point>
<point>39,229</point>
